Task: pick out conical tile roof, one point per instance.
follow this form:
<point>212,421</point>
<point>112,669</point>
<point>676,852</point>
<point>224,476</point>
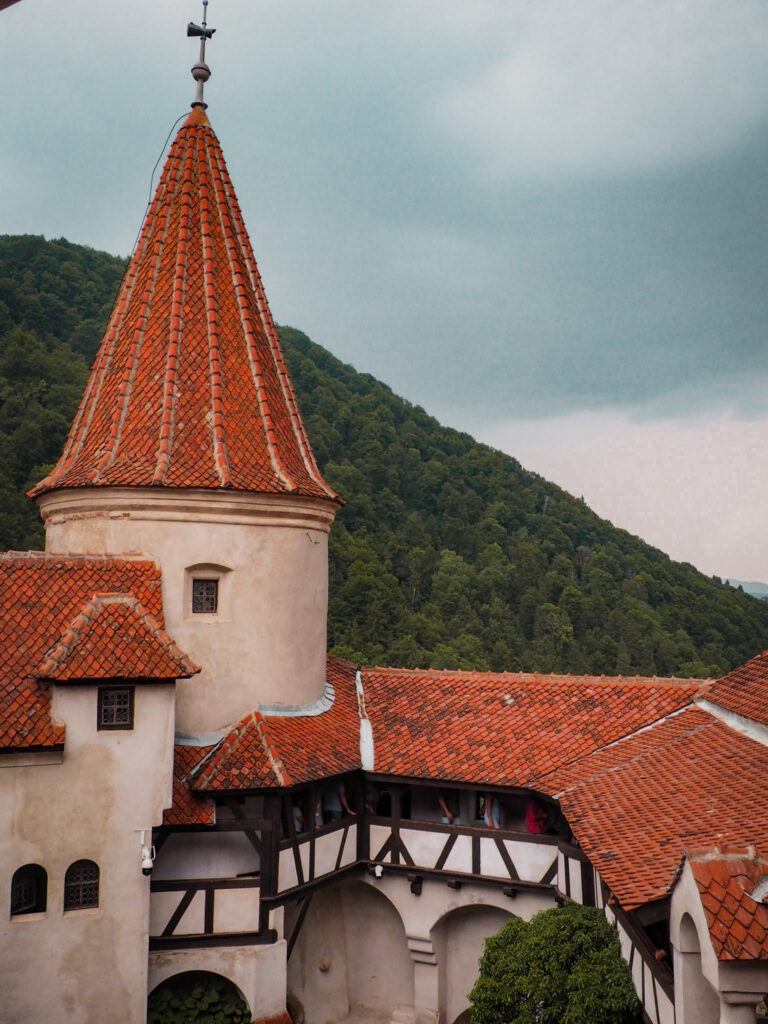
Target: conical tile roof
<point>190,386</point>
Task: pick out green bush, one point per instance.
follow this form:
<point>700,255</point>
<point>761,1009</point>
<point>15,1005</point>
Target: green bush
<point>197,999</point>
<point>564,966</point>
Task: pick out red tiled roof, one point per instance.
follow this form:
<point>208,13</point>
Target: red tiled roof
<point>472,727</point>
<point>190,386</point>
<point>738,924</point>
<point>634,805</point>
<point>745,690</point>
<point>114,636</point>
<point>505,729</point>
<point>266,751</point>
<point>188,807</point>
<point>40,595</point>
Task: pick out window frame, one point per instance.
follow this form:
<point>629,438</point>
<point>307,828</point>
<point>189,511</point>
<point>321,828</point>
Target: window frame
<point>70,885</point>
<point>214,580</point>
<point>111,688</point>
<point>40,882</point>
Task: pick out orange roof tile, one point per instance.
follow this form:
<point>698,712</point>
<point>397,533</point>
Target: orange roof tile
<point>505,729</point>
<point>634,805</point>
<point>472,727</point>
<point>188,807</point>
<point>726,878</point>
<point>264,751</point>
<point>190,386</point>
<point>40,596</point>
<point>114,636</point>
<point>745,690</point>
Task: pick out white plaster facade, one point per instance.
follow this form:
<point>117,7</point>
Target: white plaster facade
<point>270,554</point>
<point>89,803</point>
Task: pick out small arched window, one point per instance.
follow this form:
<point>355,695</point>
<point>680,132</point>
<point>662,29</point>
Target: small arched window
<point>29,890</point>
<point>81,885</point>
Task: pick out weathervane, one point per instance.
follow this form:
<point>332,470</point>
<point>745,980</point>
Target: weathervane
<point>201,72</point>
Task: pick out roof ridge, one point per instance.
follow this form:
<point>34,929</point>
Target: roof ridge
<point>68,640</point>
<point>133,557</point>
<point>641,755</point>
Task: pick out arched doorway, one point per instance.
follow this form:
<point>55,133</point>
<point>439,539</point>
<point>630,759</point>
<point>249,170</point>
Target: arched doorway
<point>458,940</point>
<point>351,955</point>
<point>696,1000</point>
<point>198,993</point>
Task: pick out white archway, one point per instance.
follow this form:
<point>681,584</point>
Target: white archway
<point>458,939</point>
<point>696,1002</point>
<point>351,955</point>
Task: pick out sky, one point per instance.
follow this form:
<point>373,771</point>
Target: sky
<point>544,222</point>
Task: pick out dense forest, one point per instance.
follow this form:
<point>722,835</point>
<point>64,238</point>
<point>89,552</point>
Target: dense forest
<point>446,554</point>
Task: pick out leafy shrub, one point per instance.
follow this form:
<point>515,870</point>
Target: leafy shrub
<point>564,966</point>
<point>197,999</point>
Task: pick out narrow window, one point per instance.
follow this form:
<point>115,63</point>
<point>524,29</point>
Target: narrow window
<point>81,885</point>
<point>205,596</point>
<point>115,707</point>
<point>29,888</point>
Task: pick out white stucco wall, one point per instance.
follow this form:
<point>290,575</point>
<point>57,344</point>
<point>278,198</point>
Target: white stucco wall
<point>257,971</point>
<point>272,553</point>
<point>352,953</point>
<point>84,965</point>
<point>458,940</point>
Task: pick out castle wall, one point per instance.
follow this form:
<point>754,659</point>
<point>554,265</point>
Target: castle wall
<point>257,971</point>
<point>351,953</point>
<point>458,940</point>
<point>106,786</point>
<point>269,554</point>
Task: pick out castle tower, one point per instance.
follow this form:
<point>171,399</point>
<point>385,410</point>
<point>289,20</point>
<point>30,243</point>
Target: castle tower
<point>189,447</point>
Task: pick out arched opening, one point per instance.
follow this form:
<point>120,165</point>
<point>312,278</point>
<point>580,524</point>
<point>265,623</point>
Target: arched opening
<point>81,885</point>
<point>696,1000</point>
<point>29,890</point>
<point>458,939</point>
<point>196,993</point>
<point>351,955</point>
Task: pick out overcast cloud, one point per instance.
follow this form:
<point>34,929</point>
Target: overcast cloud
<point>512,212</point>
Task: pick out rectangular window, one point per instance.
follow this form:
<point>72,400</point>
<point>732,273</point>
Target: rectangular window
<point>115,707</point>
<point>205,596</point>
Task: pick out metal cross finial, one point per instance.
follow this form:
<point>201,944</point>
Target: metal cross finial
<point>201,72</point>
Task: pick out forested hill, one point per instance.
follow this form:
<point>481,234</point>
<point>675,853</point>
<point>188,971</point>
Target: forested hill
<point>447,553</point>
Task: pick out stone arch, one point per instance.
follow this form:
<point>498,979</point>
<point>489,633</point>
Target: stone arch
<point>697,1001</point>
<point>458,938</point>
<point>186,983</point>
<point>351,954</point>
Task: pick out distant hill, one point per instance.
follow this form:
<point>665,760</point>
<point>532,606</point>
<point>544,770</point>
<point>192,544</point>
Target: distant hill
<point>447,553</point>
<point>753,587</point>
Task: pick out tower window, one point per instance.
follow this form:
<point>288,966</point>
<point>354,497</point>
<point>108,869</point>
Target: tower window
<point>81,885</point>
<point>205,596</point>
<point>115,707</point>
<point>29,887</point>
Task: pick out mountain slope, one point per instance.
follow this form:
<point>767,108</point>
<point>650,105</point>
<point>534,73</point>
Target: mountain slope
<point>447,553</point>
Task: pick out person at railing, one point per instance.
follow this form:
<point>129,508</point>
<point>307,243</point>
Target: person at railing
<point>492,811</point>
<point>536,817</point>
<point>335,803</point>
<point>448,802</point>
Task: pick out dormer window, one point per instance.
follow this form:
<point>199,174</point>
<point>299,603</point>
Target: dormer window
<point>205,596</point>
<point>115,709</point>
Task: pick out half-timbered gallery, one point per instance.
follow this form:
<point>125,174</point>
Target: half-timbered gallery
<point>190,784</point>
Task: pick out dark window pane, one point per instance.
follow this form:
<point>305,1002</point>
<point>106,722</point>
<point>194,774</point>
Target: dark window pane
<point>116,707</point>
<point>28,890</point>
<point>81,885</point>
<point>205,596</point>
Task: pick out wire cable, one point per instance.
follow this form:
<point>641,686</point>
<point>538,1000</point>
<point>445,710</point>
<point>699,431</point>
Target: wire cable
<point>152,180</point>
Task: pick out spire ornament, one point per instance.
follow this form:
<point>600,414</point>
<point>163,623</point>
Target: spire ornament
<point>201,72</point>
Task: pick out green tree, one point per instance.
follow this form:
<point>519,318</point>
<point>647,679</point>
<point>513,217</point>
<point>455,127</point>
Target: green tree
<point>564,966</point>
